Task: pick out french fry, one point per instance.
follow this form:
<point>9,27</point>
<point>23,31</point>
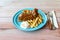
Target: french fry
<point>35,22</point>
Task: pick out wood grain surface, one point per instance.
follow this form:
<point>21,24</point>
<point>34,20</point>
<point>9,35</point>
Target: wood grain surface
<point>9,7</point>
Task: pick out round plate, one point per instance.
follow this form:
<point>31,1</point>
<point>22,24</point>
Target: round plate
<point>17,23</point>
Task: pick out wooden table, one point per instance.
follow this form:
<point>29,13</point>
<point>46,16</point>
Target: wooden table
<point>9,7</point>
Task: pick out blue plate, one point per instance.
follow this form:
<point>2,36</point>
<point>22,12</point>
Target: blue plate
<point>17,24</point>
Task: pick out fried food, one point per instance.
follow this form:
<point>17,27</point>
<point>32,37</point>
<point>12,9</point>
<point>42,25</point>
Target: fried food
<point>35,22</point>
<point>28,15</point>
<point>32,17</point>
